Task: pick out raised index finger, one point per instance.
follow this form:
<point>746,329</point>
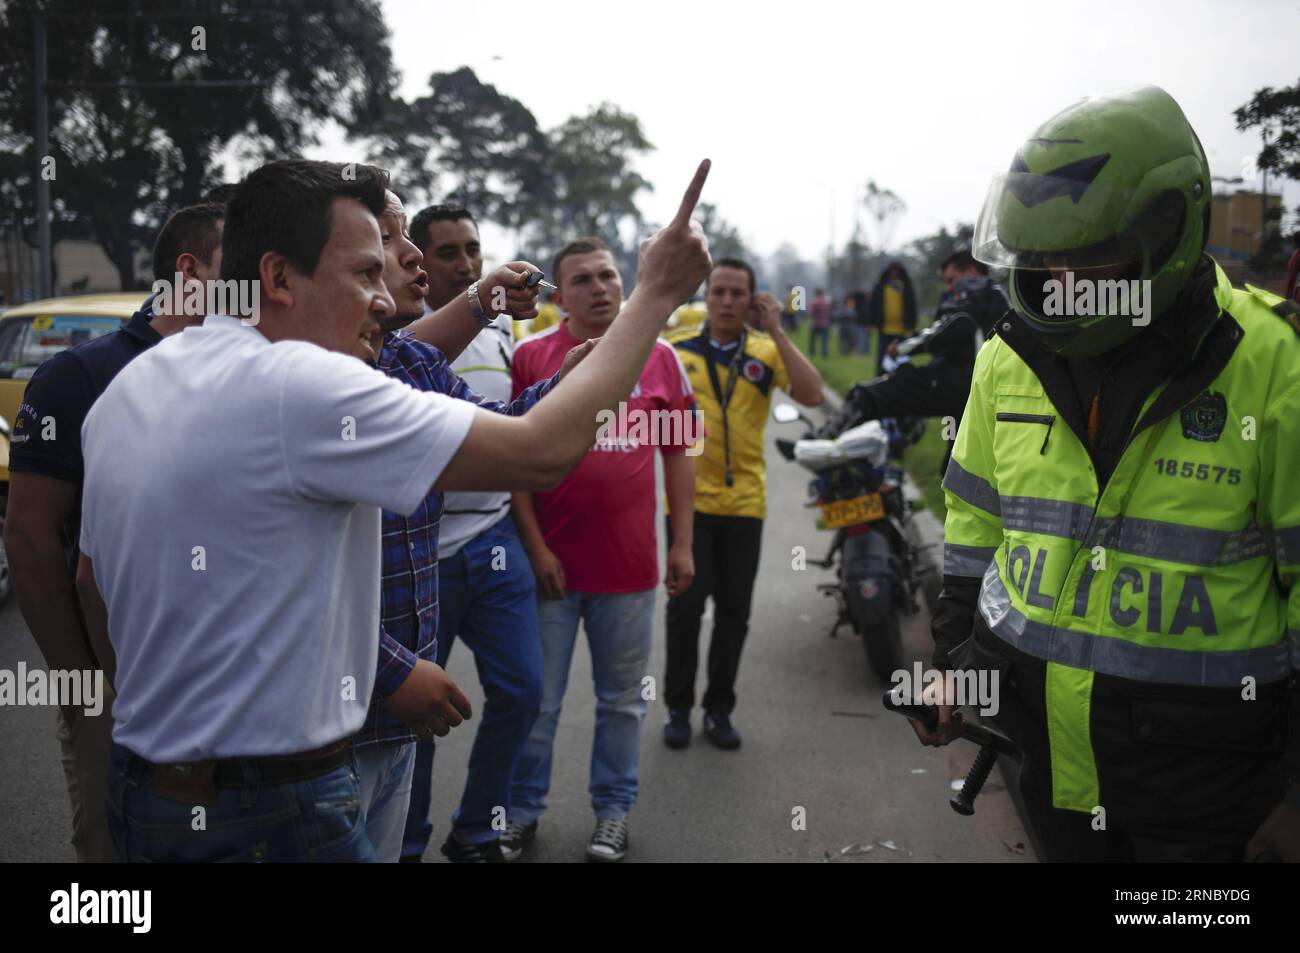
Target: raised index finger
<point>692,196</point>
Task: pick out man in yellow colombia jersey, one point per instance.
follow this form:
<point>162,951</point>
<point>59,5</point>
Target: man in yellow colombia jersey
<point>733,370</point>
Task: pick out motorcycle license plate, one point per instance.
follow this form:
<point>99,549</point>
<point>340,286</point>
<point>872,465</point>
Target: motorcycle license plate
<point>860,509</point>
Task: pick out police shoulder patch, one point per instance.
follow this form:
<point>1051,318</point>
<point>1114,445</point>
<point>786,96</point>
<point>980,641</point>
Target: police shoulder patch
<point>1204,418</point>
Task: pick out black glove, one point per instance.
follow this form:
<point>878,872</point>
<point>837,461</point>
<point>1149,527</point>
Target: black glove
<point>849,415</point>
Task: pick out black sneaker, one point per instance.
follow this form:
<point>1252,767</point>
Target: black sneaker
<point>609,840</point>
<point>717,728</point>
<point>515,838</point>
<point>488,852</point>
<point>677,730</point>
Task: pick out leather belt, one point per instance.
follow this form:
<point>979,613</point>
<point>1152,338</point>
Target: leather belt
<point>195,780</point>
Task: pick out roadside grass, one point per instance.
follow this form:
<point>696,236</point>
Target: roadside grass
<point>842,371</point>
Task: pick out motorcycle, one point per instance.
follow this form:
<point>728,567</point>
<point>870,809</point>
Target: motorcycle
<point>876,551</point>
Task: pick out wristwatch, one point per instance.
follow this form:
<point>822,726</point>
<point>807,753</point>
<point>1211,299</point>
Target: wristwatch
<point>476,307</point>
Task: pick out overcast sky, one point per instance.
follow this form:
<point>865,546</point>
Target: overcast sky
<point>799,104</point>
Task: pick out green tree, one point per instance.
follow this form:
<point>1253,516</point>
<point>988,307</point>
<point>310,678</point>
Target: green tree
<point>724,238</point>
<point>928,252</point>
<point>125,155</point>
<point>852,273</point>
<point>466,142</point>
<point>1276,113</point>
<point>885,208</point>
<point>18,211</point>
<point>595,188</point>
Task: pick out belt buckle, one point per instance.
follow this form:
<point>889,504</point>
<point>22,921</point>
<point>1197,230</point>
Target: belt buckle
<point>193,782</point>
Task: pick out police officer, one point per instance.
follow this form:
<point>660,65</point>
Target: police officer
<point>1122,545</point>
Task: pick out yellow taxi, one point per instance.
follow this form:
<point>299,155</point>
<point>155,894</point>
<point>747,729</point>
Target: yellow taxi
<point>31,334</point>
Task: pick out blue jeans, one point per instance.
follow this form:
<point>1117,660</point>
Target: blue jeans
<point>386,772</point>
<point>494,612</point>
<point>619,628</point>
<point>317,820</point>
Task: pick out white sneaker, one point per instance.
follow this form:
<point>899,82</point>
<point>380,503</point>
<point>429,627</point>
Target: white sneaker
<point>609,840</point>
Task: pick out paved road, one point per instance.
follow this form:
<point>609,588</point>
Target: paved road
<point>814,738</point>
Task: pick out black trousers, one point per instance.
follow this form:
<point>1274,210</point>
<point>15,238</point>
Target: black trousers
<point>726,563</point>
<point>1171,787</point>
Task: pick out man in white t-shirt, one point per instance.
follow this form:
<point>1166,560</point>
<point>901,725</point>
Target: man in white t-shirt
<point>486,591</point>
<point>230,541</point>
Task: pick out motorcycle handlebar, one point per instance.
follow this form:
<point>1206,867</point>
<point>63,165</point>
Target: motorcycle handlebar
<point>992,743</point>
<point>928,715</point>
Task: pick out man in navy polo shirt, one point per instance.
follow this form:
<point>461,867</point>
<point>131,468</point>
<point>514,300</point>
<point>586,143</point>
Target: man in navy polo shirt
<point>44,513</point>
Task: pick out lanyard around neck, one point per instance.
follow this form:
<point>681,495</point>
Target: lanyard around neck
<point>724,399</point>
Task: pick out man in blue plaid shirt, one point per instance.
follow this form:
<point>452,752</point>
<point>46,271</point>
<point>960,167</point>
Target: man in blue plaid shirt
<point>409,684</point>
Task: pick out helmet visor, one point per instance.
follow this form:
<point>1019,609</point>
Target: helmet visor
<point>1053,224</point>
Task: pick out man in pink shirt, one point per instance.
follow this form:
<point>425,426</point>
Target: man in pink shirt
<point>592,544</point>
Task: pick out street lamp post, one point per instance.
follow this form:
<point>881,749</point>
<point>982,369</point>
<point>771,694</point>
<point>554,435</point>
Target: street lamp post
<point>1263,193</point>
<point>42,148</point>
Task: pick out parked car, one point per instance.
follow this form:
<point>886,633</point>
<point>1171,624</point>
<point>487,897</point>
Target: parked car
<point>31,334</point>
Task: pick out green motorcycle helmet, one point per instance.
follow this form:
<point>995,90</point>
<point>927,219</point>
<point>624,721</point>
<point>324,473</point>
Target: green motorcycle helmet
<point>1100,220</point>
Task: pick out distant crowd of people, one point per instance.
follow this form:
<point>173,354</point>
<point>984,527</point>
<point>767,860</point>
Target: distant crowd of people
<point>887,310</point>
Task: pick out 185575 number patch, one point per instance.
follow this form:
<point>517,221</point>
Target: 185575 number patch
<point>1199,471</point>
